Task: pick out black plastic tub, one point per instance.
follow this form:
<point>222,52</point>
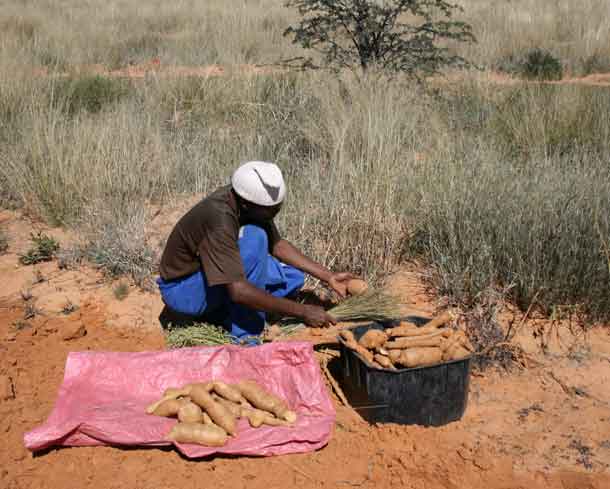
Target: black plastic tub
<point>430,396</point>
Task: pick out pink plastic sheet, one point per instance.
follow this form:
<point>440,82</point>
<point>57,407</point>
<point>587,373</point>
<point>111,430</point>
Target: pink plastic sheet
<point>103,397</point>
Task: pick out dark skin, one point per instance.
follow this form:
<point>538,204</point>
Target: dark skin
<point>244,293</point>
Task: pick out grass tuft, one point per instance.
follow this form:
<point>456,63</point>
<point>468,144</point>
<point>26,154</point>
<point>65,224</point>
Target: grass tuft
<point>535,64</point>
<point>89,94</point>
<point>121,291</point>
<point>3,242</point>
<point>44,249</point>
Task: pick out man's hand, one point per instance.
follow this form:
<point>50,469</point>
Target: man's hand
<point>317,316</point>
<point>338,282</point>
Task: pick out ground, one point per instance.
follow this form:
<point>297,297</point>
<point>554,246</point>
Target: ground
<point>542,425</point>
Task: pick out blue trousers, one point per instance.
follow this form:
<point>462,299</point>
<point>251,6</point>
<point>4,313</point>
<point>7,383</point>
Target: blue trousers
<point>194,297</point>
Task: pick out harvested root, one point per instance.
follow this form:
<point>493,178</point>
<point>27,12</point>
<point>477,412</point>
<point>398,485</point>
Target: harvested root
<point>258,417</point>
<point>348,336</point>
<point>232,407</point>
<point>455,352</point>
<point>208,435</point>
<point>458,338</point>
<point>432,326</point>
<point>373,338</point>
<point>170,407</point>
<point>417,357</point>
<point>356,286</point>
<point>440,320</point>
<point>352,344</point>
<point>394,355</point>
<point>403,329</point>
<point>189,412</point>
<point>414,342</point>
<point>174,394</point>
<point>219,414</point>
<point>384,361</point>
<point>230,393</point>
<point>266,401</point>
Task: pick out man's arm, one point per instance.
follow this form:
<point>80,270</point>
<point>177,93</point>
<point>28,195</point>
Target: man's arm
<point>244,293</point>
<point>286,252</point>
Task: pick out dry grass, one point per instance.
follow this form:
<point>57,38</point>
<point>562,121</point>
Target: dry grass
<point>496,187</point>
<point>575,32</point>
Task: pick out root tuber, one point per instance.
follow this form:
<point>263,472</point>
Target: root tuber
<point>227,391</point>
<point>356,286</point>
<point>208,435</point>
<point>373,338</point>
<point>232,407</point>
<point>394,355</point>
<point>352,344</point>
<point>257,418</point>
<point>173,394</point>
<point>384,361</point>
<point>266,401</point>
<point>455,352</point>
<point>413,342</point>
<point>219,414</point>
<point>189,412</point>
<point>170,407</point>
<point>417,357</point>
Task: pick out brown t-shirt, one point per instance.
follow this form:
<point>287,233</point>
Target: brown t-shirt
<point>206,236</point>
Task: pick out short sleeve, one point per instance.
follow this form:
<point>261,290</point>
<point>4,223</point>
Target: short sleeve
<point>219,253</point>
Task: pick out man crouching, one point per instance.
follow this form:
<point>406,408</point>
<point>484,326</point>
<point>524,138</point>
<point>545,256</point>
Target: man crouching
<point>225,261</point>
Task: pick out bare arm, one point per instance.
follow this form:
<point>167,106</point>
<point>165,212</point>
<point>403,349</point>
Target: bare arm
<point>289,254</point>
<point>286,252</point>
<point>246,294</point>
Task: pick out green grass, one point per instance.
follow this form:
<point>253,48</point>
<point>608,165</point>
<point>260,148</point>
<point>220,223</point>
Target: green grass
<point>44,249</point>
<point>3,242</point>
<point>121,291</point>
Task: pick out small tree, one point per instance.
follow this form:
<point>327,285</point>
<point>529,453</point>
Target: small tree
<point>394,35</point>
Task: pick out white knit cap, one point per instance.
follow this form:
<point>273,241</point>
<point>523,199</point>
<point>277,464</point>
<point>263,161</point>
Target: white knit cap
<point>259,182</point>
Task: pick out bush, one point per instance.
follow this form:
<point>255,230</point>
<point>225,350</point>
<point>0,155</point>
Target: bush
<point>89,94</point>
<point>45,248</point>
<point>595,63</point>
<point>116,244</point>
<point>3,242</point>
<point>535,64</point>
<point>121,291</point>
<point>362,34</point>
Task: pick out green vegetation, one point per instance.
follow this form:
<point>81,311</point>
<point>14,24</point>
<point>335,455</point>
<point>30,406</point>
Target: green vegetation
<point>90,94</point>
<point>44,249</point>
<point>3,242</point>
<point>121,291</point>
<point>534,64</point>
<point>409,37</point>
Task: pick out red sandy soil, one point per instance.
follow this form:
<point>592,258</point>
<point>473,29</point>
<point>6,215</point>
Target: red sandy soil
<point>156,68</point>
<point>544,426</point>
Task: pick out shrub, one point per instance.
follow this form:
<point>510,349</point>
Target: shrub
<point>3,242</point>
<point>121,291</point>
<point>595,63</point>
<point>361,34</point>
<point>90,93</point>
<point>116,244</point>
<point>535,64</point>
<point>45,248</point>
